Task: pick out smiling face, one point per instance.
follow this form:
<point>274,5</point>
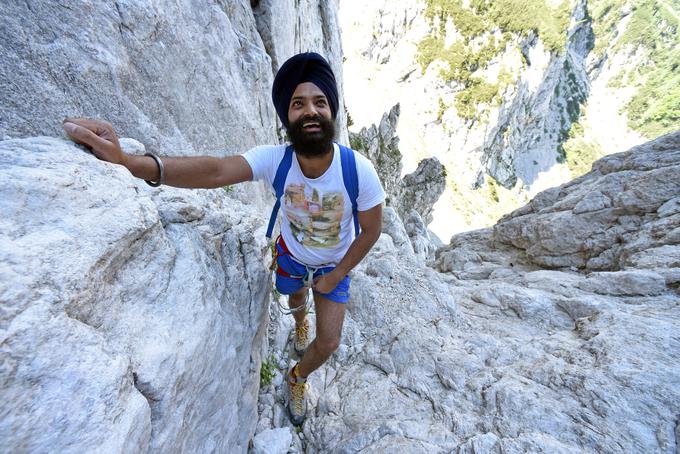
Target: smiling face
<point>311,127</point>
<point>308,101</point>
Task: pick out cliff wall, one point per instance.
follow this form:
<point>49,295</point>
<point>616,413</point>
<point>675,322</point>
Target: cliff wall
<point>133,318</point>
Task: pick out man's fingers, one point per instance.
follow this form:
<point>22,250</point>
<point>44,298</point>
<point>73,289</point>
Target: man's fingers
<point>103,129</point>
<point>92,125</point>
<point>85,136</point>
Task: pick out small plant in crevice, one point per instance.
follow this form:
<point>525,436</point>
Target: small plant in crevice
<point>268,371</point>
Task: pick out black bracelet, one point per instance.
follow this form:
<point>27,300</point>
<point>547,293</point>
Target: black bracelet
<point>161,178</point>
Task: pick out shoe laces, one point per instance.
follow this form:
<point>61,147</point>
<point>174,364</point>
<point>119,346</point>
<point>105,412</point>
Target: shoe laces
<point>297,393</point>
<point>301,333</point>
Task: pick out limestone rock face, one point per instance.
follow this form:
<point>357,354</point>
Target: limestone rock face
<point>133,319</point>
<point>176,78</point>
<point>540,115</point>
<point>624,214</point>
<point>124,307</point>
<point>380,144</point>
<point>422,188</point>
<point>414,195</point>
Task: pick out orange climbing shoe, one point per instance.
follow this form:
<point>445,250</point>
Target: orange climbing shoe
<point>297,403</point>
<point>301,339</point>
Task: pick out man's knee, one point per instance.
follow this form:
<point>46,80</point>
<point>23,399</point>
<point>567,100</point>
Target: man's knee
<point>299,296</point>
<point>328,344</point>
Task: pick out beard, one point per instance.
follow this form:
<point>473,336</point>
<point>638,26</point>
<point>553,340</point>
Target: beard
<point>312,144</point>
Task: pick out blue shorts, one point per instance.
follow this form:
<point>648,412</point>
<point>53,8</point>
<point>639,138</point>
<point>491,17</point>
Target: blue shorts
<point>297,272</point>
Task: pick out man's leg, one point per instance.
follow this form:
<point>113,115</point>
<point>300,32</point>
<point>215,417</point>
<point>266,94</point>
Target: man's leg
<point>296,300</point>
<point>300,340</point>
<point>329,318</point>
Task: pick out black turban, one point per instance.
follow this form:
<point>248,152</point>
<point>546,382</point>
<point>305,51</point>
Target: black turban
<point>300,68</point>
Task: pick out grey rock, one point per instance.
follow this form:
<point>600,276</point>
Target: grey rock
<point>667,256</point>
<point>592,202</point>
<point>620,283</point>
<point>538,118</point>
<point>380,144</point>
<point>394,227</point>
<point>146,299</point>
<point>487,443</point>
<point>422,188</point>
<point>555,233</point>
<point>421,239</point>
<point>138,316</point>
<point>131,146</point>
<point>167,75</point>
<point>272,441</point>
<point>669,208</point>
<point>280,416</point>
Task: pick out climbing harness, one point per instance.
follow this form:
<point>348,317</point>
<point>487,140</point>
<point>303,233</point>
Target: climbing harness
<point>307,278</point>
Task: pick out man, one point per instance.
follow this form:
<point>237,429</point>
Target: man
<point>317,244</point>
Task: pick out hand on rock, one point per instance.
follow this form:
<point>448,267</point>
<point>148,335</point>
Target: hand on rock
<point>98,135</point>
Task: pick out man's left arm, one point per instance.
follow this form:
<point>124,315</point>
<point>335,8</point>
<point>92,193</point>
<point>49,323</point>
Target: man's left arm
<point>371,226</point>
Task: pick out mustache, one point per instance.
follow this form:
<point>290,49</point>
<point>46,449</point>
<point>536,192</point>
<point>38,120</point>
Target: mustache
<point>310,119</point>
<point>312,144</point>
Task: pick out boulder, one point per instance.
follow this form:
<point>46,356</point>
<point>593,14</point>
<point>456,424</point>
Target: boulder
<point>619,215</point>
<point>124,308</point>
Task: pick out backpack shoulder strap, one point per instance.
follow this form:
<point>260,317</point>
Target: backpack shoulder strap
<point>349,177</point>
<point>279,180</point>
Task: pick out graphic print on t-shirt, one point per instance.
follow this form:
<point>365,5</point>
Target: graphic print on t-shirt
<point>314,217</point>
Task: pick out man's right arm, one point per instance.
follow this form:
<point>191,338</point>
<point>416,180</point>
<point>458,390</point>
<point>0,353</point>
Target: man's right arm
<point>188,172</point>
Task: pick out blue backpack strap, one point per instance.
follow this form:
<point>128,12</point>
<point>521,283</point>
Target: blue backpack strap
<point>349,177</point>
<point>279,180</point>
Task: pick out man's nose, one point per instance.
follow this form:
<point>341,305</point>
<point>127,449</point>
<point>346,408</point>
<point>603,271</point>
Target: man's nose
<point>309,109</point>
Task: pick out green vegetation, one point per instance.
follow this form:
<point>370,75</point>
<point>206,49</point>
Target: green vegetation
<point>524,16</point>
<point>606,17</point>
<point>483,206</point>
<point>462,62</point>
<point>267,371</point>
<point>655,108</point>
<point>510,16</point>
<point>442,109</point>
<point>356,142</point>
<point>493,189</point>
<point>573,107</point>
<point>654,25</point>
<point>580,153</point>
<point>479,24</point>
<point>477,92</point>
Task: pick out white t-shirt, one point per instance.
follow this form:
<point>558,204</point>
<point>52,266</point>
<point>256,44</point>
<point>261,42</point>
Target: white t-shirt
<point>316,213</point>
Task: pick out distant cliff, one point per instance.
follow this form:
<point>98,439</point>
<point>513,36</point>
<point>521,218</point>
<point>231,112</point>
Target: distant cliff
<point>512,97</point>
